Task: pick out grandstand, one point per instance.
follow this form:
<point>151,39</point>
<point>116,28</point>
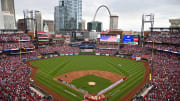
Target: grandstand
<point>161,49</point>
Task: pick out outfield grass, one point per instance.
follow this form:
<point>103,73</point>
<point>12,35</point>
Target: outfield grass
<point>50,68</point>
<point>101,83</point>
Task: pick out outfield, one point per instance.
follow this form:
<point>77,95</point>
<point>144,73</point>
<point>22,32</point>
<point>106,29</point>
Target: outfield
<point>51,68</point>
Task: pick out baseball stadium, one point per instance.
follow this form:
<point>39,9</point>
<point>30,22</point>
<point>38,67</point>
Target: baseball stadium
<point>88,71</point>
<point>88,65</point>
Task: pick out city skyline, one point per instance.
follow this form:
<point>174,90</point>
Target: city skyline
<point>68,15</point>
<point>129,11</point>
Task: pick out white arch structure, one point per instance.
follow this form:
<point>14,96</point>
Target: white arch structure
<point>98,10</point>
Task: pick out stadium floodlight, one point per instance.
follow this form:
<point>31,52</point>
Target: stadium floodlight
<point>146,18</point>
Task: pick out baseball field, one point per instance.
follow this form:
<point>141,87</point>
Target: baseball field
<point>79,70</point>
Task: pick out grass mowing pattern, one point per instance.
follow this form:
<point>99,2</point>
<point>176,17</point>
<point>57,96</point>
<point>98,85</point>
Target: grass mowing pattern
<point>50,68</point>
<point>101,83</point>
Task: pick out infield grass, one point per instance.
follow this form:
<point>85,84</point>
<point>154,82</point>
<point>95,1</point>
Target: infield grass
<point>82,83</point>
<point>53,67</point>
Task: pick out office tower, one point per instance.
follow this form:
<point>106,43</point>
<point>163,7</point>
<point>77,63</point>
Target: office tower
<point>48,24</point>
<point>83,24</point>
<point>68,15</point>
<point>33,18</point>
<point>114,22</point>
<point>29,20</point>
<point>7,14</point>
<point>175,23</point>
<point>94,26</point>
<point>39,21</point>
<point>21,25</point>
<point>1,18</point>
<point>8,5</point>
<point>57,20</point>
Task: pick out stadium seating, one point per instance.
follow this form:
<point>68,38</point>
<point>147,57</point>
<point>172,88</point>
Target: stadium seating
<point>163,46</point>
<point>164,37</point>
<point>14,37</point>
<point>166,72</point>
<point>106,51</point>
<point>14,84</point>
<point>1,46</point>
<point>14,74</point>
<point>135,50</point>
<point>165,77</point>
<point>60,49</point>
<point>17,45</point>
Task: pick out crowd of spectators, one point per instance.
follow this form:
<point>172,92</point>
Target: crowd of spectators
<point>30,55</point>
<point>165,78</point>
<point>166,71</point>
<point>14,37</point>
<point>1,46</point>
<point>17,45</point>
<point>135,50</point>
<point>108,45</point>
<point>164,37</point>
<point>61,49</point>
<point>14,83</point>
<point>106,51</point>
<point>14,74</point>
<point>163,46</point>
<point>15,41</point>
<point>68,49</point>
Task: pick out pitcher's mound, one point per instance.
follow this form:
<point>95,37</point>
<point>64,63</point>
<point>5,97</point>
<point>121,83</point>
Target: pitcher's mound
<point>91,83</point>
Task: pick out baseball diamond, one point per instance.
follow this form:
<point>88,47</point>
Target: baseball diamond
<point>48,72</point>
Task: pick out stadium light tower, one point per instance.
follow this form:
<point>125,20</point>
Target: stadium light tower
<point>146,18</point>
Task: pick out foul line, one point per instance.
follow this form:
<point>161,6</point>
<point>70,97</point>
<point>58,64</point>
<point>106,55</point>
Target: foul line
<point>70,93</point>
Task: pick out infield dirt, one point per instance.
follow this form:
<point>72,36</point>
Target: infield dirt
<point>69,77</point>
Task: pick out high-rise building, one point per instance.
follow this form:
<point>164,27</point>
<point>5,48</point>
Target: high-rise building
<point>8,5</point>
<point>21,25</point>
<point>174,23</point>
<point>33,18</point>
<point>68,15</point>
<point>57,20</point>
<point>114,22</point>
<point>94,25</point>
<point>7,14</point>
<point>1,18</point>
<point>39,21</point>
<point>29,20</point>
<point>48,26</point>
<point>83,24</point>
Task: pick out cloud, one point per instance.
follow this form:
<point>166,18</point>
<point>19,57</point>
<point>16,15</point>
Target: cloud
<point>129,11</point>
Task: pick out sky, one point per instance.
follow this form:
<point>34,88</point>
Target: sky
<point>129,11</point>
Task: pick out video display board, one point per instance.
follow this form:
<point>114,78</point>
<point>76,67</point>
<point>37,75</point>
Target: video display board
<point>110,38</point>
<point>131,39</point>
<point>128,38</point>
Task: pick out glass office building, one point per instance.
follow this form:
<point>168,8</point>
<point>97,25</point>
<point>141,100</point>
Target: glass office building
<point>7,15</point>
<point>8,5</point>
<point>68,15</point>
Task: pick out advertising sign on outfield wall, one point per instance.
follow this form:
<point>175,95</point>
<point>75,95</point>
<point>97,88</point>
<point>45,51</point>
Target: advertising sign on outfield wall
<point>97,53</point>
